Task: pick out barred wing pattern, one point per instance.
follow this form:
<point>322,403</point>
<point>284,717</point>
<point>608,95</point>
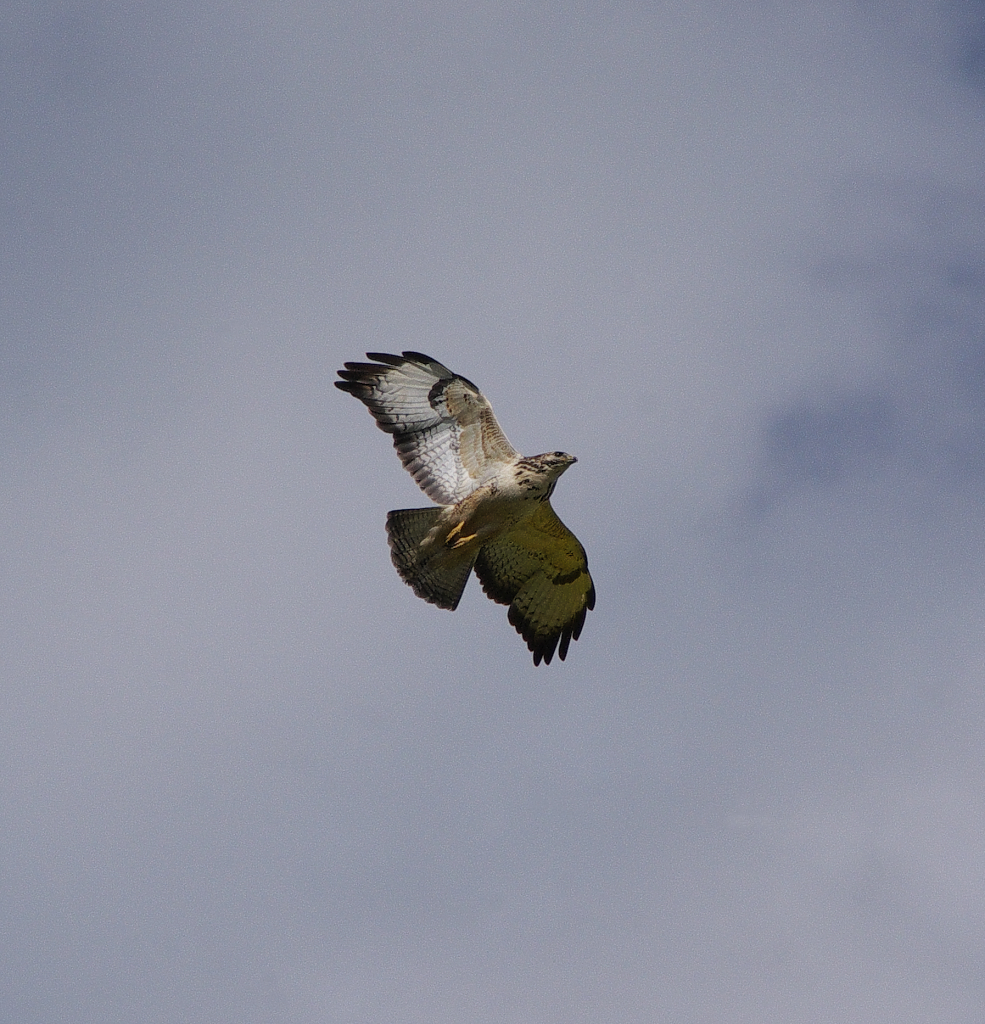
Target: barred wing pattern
<point>541,571</point>
<point>443,427</point>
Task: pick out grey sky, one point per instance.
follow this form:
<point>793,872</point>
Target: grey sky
<point>731,256</point>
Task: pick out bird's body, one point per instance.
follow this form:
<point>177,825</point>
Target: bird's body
<point>499,506</point>
<point>493,513</point>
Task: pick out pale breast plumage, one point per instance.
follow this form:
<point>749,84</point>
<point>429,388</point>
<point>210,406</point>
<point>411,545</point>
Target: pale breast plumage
<point>494,513</point>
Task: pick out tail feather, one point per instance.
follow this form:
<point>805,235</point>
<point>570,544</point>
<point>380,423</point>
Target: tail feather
<point>438,575</point>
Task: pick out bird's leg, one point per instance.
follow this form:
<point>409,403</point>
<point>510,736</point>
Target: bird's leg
<point>462,541</point>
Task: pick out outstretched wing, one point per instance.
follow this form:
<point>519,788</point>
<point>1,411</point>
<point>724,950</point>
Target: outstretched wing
<point>541,571</point>
<point>443,427</point>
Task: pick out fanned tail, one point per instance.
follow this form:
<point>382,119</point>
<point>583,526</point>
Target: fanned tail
<point>438,575</point>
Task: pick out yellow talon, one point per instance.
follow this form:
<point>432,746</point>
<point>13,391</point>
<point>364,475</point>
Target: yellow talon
<point>455,530</point>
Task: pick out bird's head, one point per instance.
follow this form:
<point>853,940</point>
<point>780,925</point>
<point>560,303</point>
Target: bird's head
<point>553,464</point>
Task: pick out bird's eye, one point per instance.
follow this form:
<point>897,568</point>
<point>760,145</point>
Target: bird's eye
<point>559,454</point>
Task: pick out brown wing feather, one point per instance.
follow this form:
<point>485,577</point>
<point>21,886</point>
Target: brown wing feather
<point>541,571</point>
<point>443,427</point>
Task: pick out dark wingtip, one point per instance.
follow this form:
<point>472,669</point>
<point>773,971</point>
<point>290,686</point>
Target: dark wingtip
<point>542,647</point>
<point>566,638</point>
<point>387,358</point>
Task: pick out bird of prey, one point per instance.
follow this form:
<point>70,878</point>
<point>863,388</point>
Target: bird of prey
<point>493,510</point>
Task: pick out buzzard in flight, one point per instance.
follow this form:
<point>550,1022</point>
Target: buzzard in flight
<point>493,510</point>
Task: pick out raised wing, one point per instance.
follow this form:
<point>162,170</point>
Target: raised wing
<point>541,571</point>
<point>443,427</point>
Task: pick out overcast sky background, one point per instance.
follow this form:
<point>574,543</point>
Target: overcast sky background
<point>732,256</point>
